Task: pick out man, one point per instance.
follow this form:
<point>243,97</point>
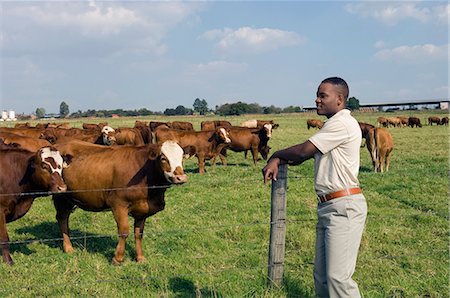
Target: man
<point>342,208</point>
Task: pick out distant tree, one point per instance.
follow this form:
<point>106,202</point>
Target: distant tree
<point>292,109</point>
<point>353,103</point>
<point>271,110</point>
<point>181,110</point>
<point>170,112</point>
<point>200,106</point>
<point>63,109</point>
<point>40,112</point>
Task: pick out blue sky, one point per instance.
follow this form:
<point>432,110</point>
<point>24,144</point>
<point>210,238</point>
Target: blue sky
<point>157,55</point>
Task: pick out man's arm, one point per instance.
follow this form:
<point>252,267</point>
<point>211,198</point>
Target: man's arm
<point>294,155</point>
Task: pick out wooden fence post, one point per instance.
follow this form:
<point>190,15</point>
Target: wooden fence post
<point>277,228</point>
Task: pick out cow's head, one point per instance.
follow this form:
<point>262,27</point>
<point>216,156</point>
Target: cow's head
<point>268,130</point>
<point>223,134</point>
<point>109,135</point>
<point>172,162</point>
<point>48,165</point>
<point>49,135</point>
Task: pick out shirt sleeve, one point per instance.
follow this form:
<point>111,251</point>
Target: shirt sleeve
<point>331,135</point>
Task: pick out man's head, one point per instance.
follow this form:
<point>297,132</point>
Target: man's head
<point>332,96</point>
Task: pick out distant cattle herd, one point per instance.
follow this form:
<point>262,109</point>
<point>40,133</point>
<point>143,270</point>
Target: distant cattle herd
<point>127,169</point>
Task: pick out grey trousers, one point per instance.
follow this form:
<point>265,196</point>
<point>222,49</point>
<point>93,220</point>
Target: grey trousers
<point>338,236</point>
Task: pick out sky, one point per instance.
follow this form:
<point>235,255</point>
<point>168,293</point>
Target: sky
<point>157,55</point>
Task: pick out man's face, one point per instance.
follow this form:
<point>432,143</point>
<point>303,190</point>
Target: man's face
<point>329,100</point>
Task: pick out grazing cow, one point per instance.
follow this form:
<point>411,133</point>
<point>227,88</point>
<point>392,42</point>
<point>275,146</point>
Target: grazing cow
<point>380,145</point>
<point>128,136</point>
<point>244,139</point>
<point>403,121</point>
<point>27,143</point>
<point>365,128</point>
<point>434,119</point>
<point>128,180</point>
<point>25,175</point>
<point>382,122</point>
<point>203,144</point>
<point>394,122</point>
<point>181,125</point>
<point>314,123</point>
<point>414,121</point>
<point>444,121</point>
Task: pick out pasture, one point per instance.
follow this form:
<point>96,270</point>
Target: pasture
<point>212,238</point>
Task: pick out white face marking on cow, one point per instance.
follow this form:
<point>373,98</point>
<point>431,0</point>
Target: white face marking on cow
<point>107,129</point>
<point>107,140</point>
<point>174,154</point>
<point>225,135</point>
<point>268,128</point>
<point>47,155</point>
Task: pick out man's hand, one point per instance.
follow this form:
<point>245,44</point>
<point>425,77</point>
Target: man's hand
<point>270,171</point>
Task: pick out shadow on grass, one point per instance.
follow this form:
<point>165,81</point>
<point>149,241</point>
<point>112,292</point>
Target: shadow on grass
<point>295,288</point>
<point>48,234</point>
<point>365,169</point>
<point>182,287</point>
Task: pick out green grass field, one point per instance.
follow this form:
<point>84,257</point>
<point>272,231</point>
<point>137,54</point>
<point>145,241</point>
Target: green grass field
<point>212,238</point>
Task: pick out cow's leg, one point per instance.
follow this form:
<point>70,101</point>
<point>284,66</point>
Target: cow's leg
<point>63,210</point>
<point>4,239</point>
<point>255,154</point>
<point>245,154</point>
<point>138,234</point>
<point>201,163</point>
<point>123,228</point>
<point>388,159</point>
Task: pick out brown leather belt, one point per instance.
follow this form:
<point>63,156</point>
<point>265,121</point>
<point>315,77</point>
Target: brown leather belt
<point>338,194</point>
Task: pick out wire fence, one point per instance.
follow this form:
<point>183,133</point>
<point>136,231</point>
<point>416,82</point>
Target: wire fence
<point>260,269</point>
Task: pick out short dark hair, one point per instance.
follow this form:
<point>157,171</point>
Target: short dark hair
<point>339,82</point>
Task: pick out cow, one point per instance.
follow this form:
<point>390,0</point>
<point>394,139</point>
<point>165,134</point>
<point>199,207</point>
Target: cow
<point>128,180</point>
<point>253,123</point>
<point>93,126</point>
<point>24,142</point>
<point>244,139</point>
<point>154,124</point>
<point>414,121</point>
<point>314,123</point>
<point>434,119</point>
<point>380,145</point>
<point>106,136</point>
<point>394,122</point>
<point>28,132</point>
<point>202,144</point>
<point>365,128</point>
<point>382,122</point>
<point>182,125</point>
<point>403,121</point>
<point>211,125</point>
<point>25,175</point>
<point>444,121</point>
<point>128,136</point>
<point>145,131</point>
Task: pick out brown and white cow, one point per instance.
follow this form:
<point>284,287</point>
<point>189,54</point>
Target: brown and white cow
<point>380,145</point>
<point>24,142</point>
<point>211,125</point>
<point>203,144</point>
<point>106,136</point>
<point>25,175</point>
<point>382,122</point>
<point>128,180</point>
<point>314,123</point>
<point>245,139</point>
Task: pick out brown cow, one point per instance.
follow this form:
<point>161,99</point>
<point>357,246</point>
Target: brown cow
<point>128,180</point>
<point>145,131</point>
<point>58,135</point>
<point>365,128</point>
<point>414,121</point>
<point>253,123</point>
<point>181,125</point>
<point>25,175</point>
<point>27,143</point>
<point>128,136</point>
<point>444,121</point>
<point>93,126</point>
<point>314,123</point>
<point>403,121</point>
<point>394,122</point>
<point>203,144</point>
<point>380,145</point>
<point>434,119</point>
<point>382,122</point>
<point>211,125</point>
<point>244,139</point>
<point>32,132</point>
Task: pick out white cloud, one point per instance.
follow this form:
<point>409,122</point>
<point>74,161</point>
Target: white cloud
<point>392,13</point>
<point>218,67</point>
<point>380,44</point>
<point>251,40</point>
<point>414,54</point>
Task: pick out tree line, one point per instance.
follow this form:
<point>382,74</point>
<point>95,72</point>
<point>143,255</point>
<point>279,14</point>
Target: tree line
<point>199,107</point>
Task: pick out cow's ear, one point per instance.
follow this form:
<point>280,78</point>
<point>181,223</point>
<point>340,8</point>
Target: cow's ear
<point>274,126</point>
<point>67,159</point>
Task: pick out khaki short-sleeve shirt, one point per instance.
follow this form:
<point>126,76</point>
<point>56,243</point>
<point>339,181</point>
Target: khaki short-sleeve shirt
<point>336,166</point>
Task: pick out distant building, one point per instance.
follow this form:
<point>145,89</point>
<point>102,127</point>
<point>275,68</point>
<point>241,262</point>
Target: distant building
<point>8,115</point>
